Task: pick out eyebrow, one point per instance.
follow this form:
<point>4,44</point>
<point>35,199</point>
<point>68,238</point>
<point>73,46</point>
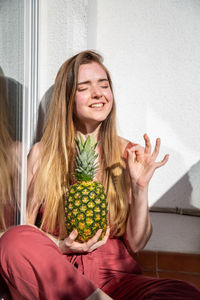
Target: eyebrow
<point>88,81</point>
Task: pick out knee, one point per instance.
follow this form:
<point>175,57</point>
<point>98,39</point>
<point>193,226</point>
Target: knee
<point>16,238</point>
<point>176,289</point>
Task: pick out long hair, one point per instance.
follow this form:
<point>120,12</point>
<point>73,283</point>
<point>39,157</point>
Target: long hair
<point>6,161</point>
<point>54,175</point>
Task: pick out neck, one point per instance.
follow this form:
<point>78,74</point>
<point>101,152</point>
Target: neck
<point>87,130</point>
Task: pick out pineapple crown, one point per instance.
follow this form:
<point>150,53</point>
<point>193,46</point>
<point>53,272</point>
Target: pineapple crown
<point>85,165</point>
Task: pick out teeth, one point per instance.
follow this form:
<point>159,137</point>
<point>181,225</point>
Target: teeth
<point>97,105</point>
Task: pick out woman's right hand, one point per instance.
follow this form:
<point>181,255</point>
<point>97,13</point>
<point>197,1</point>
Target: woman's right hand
<point>69,245</point>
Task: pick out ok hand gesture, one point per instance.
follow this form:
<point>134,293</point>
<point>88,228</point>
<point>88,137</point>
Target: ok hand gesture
<point>142,163</point>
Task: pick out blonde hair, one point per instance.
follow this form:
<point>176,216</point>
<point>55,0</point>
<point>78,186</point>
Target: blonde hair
<point>56,162</point>
<point>6,167</point>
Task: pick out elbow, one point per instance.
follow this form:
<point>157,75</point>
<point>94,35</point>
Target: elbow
<point>137,248</point>
<point>138,243</point>
<point>144,241</point>
<point>134,246</point>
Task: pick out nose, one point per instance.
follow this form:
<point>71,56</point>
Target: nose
<point>96,92</point>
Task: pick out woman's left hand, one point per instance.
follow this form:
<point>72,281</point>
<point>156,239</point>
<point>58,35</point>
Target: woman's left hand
<point>70,245</point>
<point>142,163</point>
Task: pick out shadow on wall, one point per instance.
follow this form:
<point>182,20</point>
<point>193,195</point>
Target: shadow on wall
<point>14,97</point>
<point>43,108</point>
<point>187,190</point>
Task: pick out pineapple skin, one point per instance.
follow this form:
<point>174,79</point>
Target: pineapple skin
<point>86,210</point>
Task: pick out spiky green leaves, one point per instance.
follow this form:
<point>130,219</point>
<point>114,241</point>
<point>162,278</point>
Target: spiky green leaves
<point>85,160</point>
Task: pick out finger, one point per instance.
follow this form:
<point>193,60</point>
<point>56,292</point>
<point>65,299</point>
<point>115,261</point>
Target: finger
<point>71,238</point>
<point>147,144</point>
<point>156,149</point>
<point>135,148</point>
<point>106,236</point>
<point>162,162</point>
<point>95,246</point>
<point>131,154</point>
<point>94,239</point>
<point>101,242</point>
<point>135,152</point>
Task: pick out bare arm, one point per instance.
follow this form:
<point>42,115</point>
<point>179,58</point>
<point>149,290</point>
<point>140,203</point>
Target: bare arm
<point>138,228</point>
<point>141,166</point>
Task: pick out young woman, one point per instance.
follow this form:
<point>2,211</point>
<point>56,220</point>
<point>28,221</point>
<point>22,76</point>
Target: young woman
<point>44,263</point>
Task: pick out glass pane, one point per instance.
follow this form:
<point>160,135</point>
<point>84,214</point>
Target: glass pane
<point>11,94</point>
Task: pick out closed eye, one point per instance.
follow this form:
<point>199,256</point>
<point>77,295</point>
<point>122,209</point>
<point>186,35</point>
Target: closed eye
<point>81,89</point>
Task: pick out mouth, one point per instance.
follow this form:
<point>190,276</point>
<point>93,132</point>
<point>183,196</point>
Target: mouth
<point>97,105</point>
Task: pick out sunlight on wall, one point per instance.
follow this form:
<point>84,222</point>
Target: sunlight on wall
<point>182,157</point>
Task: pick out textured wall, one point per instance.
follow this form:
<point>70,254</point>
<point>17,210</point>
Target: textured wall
<point>62,33</point>
<point>12,59</point>
<point>153,51</point>
<point>12,38</point>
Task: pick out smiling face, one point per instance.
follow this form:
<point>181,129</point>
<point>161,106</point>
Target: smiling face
<point>93,99</point>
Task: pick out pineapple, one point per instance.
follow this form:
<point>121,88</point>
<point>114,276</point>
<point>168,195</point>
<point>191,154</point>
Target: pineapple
<point>86,207</point>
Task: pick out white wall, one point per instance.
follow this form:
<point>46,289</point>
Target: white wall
<point>62,33</point>
<point>12,39</point>
<point>152,48</point>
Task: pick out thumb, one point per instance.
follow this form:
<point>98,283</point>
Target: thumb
<point>131,155</point>
<point>73,235</point>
